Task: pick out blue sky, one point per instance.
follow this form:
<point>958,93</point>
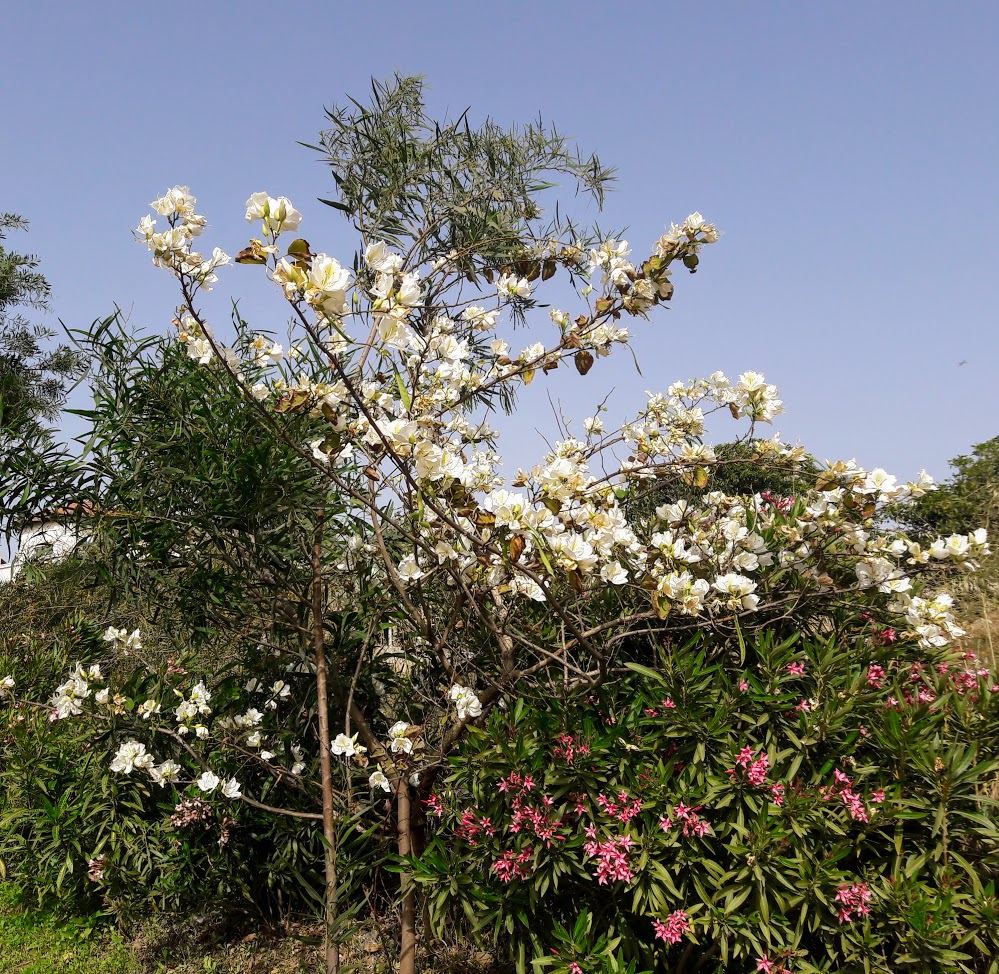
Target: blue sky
<point>848,151</point>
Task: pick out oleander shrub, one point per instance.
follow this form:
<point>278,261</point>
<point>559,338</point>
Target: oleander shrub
<point>790,804</point>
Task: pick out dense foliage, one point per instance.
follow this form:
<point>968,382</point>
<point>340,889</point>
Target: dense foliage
<point>806,804</point>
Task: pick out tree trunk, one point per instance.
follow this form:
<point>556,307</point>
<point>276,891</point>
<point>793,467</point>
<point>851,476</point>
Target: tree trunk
<point>407,941</point>
<point>331,947</point>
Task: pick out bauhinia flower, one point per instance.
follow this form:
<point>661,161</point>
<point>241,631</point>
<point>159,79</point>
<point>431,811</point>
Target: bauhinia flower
<point>277,215</point>
<point>511,286</point>
<point>378,780</point>
<point>346,746</point>
<point>466,701</point>
<point>208,782</point>
<point>165,773</point>
<point>131,754</point>
<point>401,744</point>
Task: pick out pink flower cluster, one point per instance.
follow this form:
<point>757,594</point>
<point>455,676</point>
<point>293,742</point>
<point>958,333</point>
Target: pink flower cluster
<point>624,809</point>
<point>844,789</point>
<point>778,503</point>
<point>674,928</point>
<point>513,865</point>
<point>883,635</point>
<point>875,676</point>
<point>472,827</point>
<point>853,899</point>
<point>191,812</point>
<point>516,783</point>
<point>690,822</point>
<point>764,965</point>
<point>95,869</point>
<point>568,749</point>
<point>434,804</point>
<point>755,768</point>
<point>796,669</point>
<point>666,704</point>
<point>967,678</point>
<point>611,856</point>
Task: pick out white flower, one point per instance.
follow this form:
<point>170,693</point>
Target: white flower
<point>176,200</point>
<point>6,685</point>
<point>378,780</point>
<point>326,285</point>
<point>408,569</point>
<point>401,744</point>
<point>466,701</point>
<point>509,286</point>
<point>277,214</point>
<point>378,257</point>
<point>347,746</point>
<point>614,573</point>
<point>165,773</point>
<point>131,755</point>
<point>148,708</point>
<point>231,789</point>
<point>739,589</point>
<point>200,697</point>
<point>208,782</point>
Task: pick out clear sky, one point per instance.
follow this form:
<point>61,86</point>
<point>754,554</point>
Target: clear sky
<point>847,150</point>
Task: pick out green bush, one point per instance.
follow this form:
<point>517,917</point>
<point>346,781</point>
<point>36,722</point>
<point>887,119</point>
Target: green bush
<point>793,804</point>
<point>78,837</point>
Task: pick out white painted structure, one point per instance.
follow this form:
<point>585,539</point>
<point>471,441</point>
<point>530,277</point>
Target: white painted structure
<point>41,540</point>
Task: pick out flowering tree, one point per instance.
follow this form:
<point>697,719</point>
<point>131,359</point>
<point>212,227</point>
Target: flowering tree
<point>492,583</point>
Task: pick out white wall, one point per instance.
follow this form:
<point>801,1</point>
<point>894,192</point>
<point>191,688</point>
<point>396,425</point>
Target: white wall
<point>44,539</point>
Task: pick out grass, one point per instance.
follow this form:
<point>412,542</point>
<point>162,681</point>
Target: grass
<point>32,942</point>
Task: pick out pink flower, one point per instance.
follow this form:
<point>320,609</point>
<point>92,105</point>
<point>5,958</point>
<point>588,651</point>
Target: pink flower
<point>757,773</point>
<point>611,856</point>
<point>756,768</point>
<point>875,676</point>
<point>743,686</point>
<point>854,899</point>
<point>764,965</point>
<point>796,669</point>
<point>674,928</point>
<point>877,796</point>
<point>512,865</point>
